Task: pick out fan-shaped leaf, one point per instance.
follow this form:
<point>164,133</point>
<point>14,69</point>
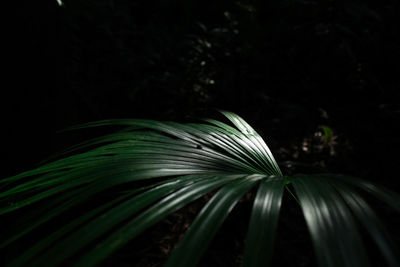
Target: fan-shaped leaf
<point>154,168</point>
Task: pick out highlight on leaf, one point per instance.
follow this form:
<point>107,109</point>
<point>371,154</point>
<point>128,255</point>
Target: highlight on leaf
<point>105,192</point>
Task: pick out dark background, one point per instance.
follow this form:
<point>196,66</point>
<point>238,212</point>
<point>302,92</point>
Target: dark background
<point>298,71</point>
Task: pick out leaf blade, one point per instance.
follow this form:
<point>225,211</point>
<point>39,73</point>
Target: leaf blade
<point>261,234</point>
<point>200,233</point>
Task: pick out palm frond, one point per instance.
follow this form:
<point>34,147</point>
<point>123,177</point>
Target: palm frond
<point>263,222</point>
<point>328,218</point>
<point>154,168</point>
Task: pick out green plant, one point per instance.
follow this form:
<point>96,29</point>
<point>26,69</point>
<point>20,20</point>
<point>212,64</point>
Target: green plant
<point>151,169</point>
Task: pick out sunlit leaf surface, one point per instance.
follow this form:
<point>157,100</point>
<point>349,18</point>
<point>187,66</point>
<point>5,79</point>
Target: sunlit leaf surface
<point>150,169</point>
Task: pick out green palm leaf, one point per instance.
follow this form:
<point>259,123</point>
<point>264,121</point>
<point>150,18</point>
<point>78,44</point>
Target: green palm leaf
<point>208,221</point>
<point>152,169</point>
<point>264,218</point>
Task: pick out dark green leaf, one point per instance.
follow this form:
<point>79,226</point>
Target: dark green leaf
<point>333,231</point>
<point>200,233</point>
<point>150,216</point>
<point>264,218</point>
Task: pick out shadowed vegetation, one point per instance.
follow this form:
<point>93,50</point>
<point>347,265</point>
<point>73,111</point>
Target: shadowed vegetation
<point>100,199</point>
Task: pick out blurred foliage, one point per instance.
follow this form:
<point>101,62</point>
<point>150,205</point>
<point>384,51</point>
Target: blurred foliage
<point>280,62</point>
<point>200,53</point>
